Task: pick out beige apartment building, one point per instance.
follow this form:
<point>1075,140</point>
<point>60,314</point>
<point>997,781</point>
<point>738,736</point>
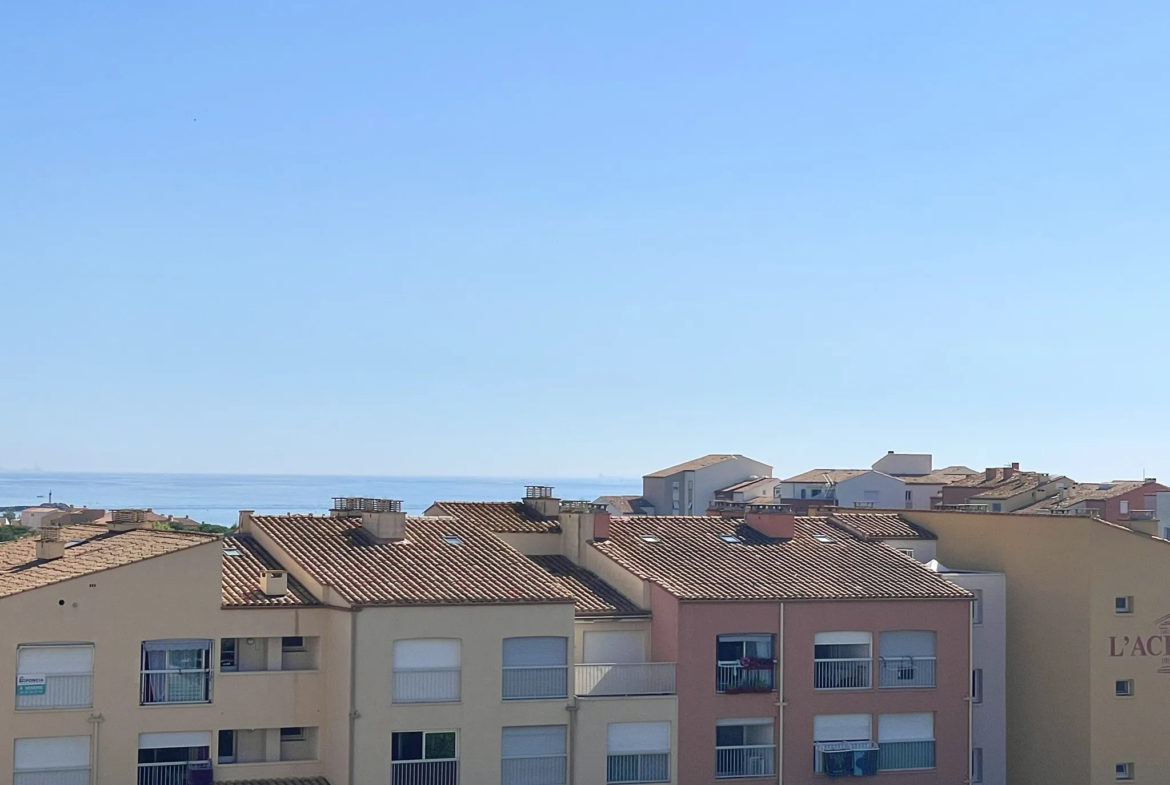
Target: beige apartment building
<point>360,647</point>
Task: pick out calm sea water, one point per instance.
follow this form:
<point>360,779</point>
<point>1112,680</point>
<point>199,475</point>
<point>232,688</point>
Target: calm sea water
<point>218,498</point>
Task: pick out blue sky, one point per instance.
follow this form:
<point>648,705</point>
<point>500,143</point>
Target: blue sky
<point>576,239</point>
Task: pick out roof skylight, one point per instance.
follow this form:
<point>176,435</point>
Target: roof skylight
<point>232,552</point>
<point>650,538</point>
<point>451,539</point>
<point>731,538</point>
<point>823,538</point>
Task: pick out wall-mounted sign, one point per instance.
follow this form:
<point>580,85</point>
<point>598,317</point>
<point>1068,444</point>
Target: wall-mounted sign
<point>30,684</point>
<point>1145,646</point>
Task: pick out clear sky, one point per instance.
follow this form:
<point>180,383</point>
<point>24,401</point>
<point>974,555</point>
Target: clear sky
<point>571,239</point>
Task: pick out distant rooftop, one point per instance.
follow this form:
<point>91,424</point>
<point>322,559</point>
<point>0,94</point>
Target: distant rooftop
<point>499,517</point>
<point>696,464</point>
<point>243,561</point>
<point>880,526</point>
<point>830,476</point>
<point>593,596</point>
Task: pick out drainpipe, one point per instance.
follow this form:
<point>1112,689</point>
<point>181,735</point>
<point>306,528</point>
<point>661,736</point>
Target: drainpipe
<point>970,696</point>
<point>353,713</point>
<point>572,709</point>
<point>780,702</point>
<point>97,720</point>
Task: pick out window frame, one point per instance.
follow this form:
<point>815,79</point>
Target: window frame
<point>293,648</point>
<point>425,734</point>
<point>1123,772</point>
<point>1126,691</point>
<point>1123,605</point>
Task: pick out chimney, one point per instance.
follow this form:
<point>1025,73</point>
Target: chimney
<point>541,499</point>
<point>382,518</point>
<point>1008,471</point>
<point>772,520</point>
<point>1016,465</point>
<point>989,474</point>
<point>601,521</point>
<point>245,522</point>
<point>128,520</point>
<point>274,583</point>
<point>49,544</point>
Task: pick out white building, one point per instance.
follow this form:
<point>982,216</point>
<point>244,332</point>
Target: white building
<point>689,488</point>
<point>895,481</point>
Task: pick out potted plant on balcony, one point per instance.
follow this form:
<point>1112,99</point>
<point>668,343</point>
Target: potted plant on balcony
<point>755,675</point>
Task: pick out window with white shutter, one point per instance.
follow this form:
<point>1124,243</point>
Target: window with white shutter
<point>638,752</point>
<point>61,761</point>
<point>842,740</point>
<point>906,741</point>
<point>906,658</point>
<point>533,755</point>
<point>51,676</point>
<point>426,670</point>
<point>535,668</point>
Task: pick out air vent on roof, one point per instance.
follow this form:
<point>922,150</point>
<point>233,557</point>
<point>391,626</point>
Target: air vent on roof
<point>538,491</point>
<point>274,583</point>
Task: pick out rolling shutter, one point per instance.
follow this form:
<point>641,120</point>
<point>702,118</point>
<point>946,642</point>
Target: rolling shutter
<point>535,652</point>
<point>613,647</point>
<point>906,727</point>
<point>427,654</point>
<point>532,741</point>
<point>55,659</point>
<point>630,737</point>
<point>67,752</point>
<point>841,727</point>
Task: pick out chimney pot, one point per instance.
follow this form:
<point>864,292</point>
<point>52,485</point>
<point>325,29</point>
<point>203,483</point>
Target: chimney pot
<point>274,583</point>
<point>541,499</point>
<point>989,473</point>
<point>1016,465</point>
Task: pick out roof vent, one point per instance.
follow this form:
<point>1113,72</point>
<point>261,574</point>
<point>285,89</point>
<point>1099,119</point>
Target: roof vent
<point>128,520</point>
<point>49,544</point>
<point>541,499</point>
<point>274,583</point>
<point>538,491</point>
<point>382,518</point>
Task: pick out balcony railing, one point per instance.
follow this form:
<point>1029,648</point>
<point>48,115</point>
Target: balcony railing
<point>965,507</point>
<point>62,691</point>
<point>632,678</point>
<point>866,505</point>
<point>526,683</point>
<point>905,755</point>
<point>52,777</point>
<point>820,748</point>
<point>167,773</point>
<point>424,772</point>
<point>176,686</point>
<point>757,760</point>
<point>1140,515</point>
<point>638,767</point>
<point>426,686</point>
<point>842,674</point>
<point>735,678</point>
<point>907,672</point>
<point>534,770</point>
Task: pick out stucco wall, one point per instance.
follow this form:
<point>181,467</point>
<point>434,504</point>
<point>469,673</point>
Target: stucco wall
<point>890,492</point>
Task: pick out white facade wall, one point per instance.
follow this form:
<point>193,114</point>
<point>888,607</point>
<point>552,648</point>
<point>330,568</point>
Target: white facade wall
<point>920,495</point>
<point>885,492</point>
<point>697,488</point>
<point>924,550</point>
<point>904,463</point>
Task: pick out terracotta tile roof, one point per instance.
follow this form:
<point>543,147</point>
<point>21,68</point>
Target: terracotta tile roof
<point>1093,491</point>
<point>594,597</point>
<point>423,569</point>
<point>243,561</point>
<point>879,526</point>
<point>499,517</point>
<point>999,487</point>
<point>97,549</point>
<point>739,486</point>
<point>279,781</point>
<point>827,475</point>
<point>947,476</point>
<point>690,561</point>
<point>623,504</point>
<point>696,464</point>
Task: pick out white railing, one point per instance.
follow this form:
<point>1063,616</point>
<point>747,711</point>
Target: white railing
<point>843,674</point>
<point>52,777</point>
<point>821,747</point>
<point>424,772</point>
<point>638,767</point>
<point>1141,515</point>
<point>166,773</point>
<point>866,505</point>
<point>62,691</point>
<point>906,755</point>
<point>627,678</point>
<point>735,678</point>
<point>176,686</point>
<point>756,760</point>
<point>426,685</point>
<point>534,770</point>
<point>907,672</point>
<point>526,683</point>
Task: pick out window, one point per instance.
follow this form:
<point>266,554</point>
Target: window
<point>232,552</point>
<point>612,647</point>
<point>976,764</point>
<point>977,607</point>
<point>977,685</point>
<point>533,755</point>
<point>167,757</point>
<point>1124,688</point>
<point>744,663</point>
<point>842,744</point>
<point>535,668</point>
<point>1124,771</point>
<point>226,751</point>
<point>451,539</point>
<point>906,658</point>
<point>426,671</point>
<point>292,734</point>
<point>906,552</point>
<point>424,756</point>
<point>744,748</point>
<point>731,539</point>
<point>61,760</point>
<point>815,492</point>
<point>1123,605</point>
<point>293,643</point>
<point>1124,507</point>
<point>54,677</point>
<point>176,671</point>
<point>690,497</point>
<point>638,752</point>
<point>996,507</point>
<point>843,660</point>
<point>803,493</point>
<point>905,741</point>
<point>228,656</point>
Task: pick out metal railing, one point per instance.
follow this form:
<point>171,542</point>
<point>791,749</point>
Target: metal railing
<point>756,760</point>
<point>905,755</point>
<point>175,686</point>
<point>1083,512</point>
<point>638,767</point>
<point>965,507</point>
<point>533,770</point>
<point>529,683</point>
<point>1140,515</point>
<point>867,505</point>
<point>821,747</point>
<point>78,776</point>
<point>167,773</point>
<point>62,691</point>
<point>907,672</point>
<point>626,678</point>
<point>424,772</point>
<point>426,685</point>
<point>736,678</point>
<point>842,674</point>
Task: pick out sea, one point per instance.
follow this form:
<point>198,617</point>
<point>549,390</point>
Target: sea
<point>218,498</point>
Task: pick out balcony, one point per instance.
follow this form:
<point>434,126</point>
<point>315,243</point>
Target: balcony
<point>536,683</point>
<point>426,685</point>
<point>905,755</point>
<point>52,777</point>
<point>533,770</point>
<point>168,773</point>
<point>175,686</point>
<point>621,679</point>
<point>1140,515</point>
<point>642,767</point>
<point>62,691</point>
<point>429,772</point>
<point>842,674</point>
<point>757,760</point>
<point>907,672</point>
<point>865,505</point>
<point>745,676</point>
